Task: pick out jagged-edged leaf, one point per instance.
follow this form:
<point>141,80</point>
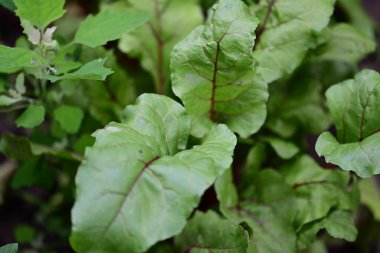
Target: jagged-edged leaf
<point>165,29</point>
<point>212,233</point>
<point>354,106</point>
<point>146,183</point>
<point>9,4</point>
<point>9,248</point>
<point>271,232</point>
<point>33,116</point>
<point>346,44</point>
<point>370,195</point>
<point>40,13</point>
<point>106,26</point>
<point>213,72</point>
<point>93,70</point>
<point>14,59</point>
<point>287,32</point>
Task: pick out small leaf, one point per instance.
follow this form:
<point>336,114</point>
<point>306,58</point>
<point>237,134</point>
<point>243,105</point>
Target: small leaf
<point>69,117</point>
<point>24,233</point>
<point>33,34</point>
<point>107,26</point>
<point>20,83</point>
<point>9,248</point>
<point>93,70</point>
<point>145,180</point>
<point>6,101</point>
<point>40,13</point>
<point>48,35</point>
<point>284,149</point>
<point>212,72</point>
<point>208,231</point>
<point>340,225</point>
<point>14,59</point>
<point>33,116</point>
<point>354,106</point>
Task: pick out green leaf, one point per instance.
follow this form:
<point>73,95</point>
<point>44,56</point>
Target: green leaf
<point>40,13</point>
<point>6,101</point>
<point>14,59</point>
<point>106,26</point>
<point>24,233</point>
<point>370,195</point>
<point>354,106</point>
<point>209,232</point>
<point>213,72</point>
<point>340,225</point>
<point>93,70</point>
<point>145,179</point>
<point>9,248</point>
<point>33,116</point>
<point>20,84</point>
<point>345,43</point>
<point>288,34</point>
<point>69,117</point>
<point>162,29</point>
<point>284,149</point>
<point>8,4</point>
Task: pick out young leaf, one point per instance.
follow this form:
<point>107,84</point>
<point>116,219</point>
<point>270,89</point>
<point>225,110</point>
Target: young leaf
<point>208,231</point>
<point>354,106</point>
<point>20,84</point>
<point>284,149</point>
<point>339,224</point>
<point>9,248</point>
<point>40,13</point>
<point>33,116</point>
<point>146,183</point>
<point>14,59</point>
<point>346,44</point>
<point>286,33</point>
<point>69,117</point>
<point>213,72</point>
<point>165,29</point>
<point>106,26</point>
<point>93,70</point>
<point>33,34</point>
<point>5,100</point>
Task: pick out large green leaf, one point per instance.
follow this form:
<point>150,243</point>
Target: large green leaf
<point>286,33</point>
<point>138,185</point>
<point>354,106</point>
<point>106,26</point>
<point>14,59</point>
<point>211,233</point>
<point>164,29</point>
<point>345,43</point>
<point>213,72</point>
<point>40,13</point>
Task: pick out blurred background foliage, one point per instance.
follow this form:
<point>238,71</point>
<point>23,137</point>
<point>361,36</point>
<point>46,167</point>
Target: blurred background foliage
<point>37,172</point>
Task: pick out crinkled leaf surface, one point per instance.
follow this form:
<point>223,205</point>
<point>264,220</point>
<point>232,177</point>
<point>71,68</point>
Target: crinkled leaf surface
<point>213,72</point>
<point>208,232</point>
<point>339,224</point>
<point>346,44</point>
<point>286,33</point>
<point>93,70</point>
<point>354,106</point>
<point>106,26</point>
<point>40,13</point>
<point>165,29</point>
<point>14,59</point>
<point>137,184</point>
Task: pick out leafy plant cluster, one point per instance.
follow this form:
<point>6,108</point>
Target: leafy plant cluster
<point>241,95</point>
